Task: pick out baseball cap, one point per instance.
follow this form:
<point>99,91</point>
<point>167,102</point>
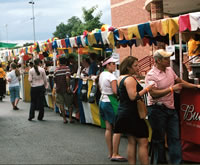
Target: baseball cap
<point>109,60</point>
<point>163,53</point>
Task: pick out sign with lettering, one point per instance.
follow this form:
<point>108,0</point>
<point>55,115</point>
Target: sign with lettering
<point>190,115</point>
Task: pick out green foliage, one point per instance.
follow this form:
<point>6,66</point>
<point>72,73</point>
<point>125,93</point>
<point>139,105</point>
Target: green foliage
<point>75,26</point>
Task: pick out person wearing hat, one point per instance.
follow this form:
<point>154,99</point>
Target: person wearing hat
<point>162,115</point>
<point>108,86</point>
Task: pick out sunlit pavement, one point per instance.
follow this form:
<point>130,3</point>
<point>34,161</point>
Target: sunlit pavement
<point>49,141</point>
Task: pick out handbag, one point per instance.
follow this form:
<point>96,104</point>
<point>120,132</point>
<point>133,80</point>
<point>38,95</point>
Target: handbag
<point>142,109</point>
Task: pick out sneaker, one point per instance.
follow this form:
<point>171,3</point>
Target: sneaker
<point>15,108</point>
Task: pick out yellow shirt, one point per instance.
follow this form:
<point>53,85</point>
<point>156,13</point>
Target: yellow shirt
<point>2,73</point>
<point>192,45</point>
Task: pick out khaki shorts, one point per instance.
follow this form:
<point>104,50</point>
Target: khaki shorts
<point>64,99</point>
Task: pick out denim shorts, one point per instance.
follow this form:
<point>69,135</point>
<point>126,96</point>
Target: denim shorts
<point>14,93</point>
<point>107,112</point>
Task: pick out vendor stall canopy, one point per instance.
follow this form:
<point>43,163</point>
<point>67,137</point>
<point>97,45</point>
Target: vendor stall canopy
<point>7,45</point>
<point>139,34</point>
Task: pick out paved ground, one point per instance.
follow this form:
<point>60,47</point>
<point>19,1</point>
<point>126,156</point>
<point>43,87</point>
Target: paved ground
<point>49,141</point>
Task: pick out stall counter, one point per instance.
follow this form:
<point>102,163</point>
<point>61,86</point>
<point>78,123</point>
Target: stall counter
<point>190,124</point>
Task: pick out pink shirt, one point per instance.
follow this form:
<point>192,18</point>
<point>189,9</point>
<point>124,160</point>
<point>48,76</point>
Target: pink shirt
<point>37,80</point>
<point>162,80</point>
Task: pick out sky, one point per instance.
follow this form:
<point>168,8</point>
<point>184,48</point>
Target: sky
<point>16,23</point>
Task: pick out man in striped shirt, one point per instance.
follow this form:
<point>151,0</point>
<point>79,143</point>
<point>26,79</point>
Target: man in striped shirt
<point>64,95</point>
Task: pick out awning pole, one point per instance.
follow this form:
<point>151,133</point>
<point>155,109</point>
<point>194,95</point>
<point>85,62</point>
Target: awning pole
<point>180,55</point>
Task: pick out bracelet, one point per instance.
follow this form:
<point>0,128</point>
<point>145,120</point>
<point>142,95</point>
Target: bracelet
<point>147,90</point>
<point>171,89</point>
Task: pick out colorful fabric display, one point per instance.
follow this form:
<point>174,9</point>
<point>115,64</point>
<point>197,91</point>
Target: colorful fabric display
<point>104,37</point>
<point>72,41</point>
<point>156,27</point>
<point>122,33</point>
<point>59,43</point>
<point>67,42</point>
<point>145,29</point>
<point>91,39</point>
<point>98,38</point>
<point>83,40</point>
<point>133,31</point>
<point>170,26</point>
<point>63,43</point>
<point>49,45</point>
<point>54,45</point>
<point>78,41</point>
<point>195,21</point>
<point>111,41</point>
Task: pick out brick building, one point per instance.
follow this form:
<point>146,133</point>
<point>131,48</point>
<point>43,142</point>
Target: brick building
<point>129,12</point>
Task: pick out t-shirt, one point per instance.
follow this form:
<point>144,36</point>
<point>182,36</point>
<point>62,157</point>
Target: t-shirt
<point>105,80</point>
<point>37,80</point>
<point>60,78</point>
<point>162,80</point>
<point>14,79</point>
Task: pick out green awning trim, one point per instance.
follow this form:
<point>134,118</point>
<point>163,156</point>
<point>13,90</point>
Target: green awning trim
<point>7,45</point>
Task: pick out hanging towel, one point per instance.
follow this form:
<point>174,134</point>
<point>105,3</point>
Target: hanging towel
<point>195,21</point>
<point>111,41</point>
<point>145,29</point>
<point>78,41</point>
<point>91,39</point>
<point>59,43</point>
<point>184,23</point>
<point>156,27</point>
<point>54,45</point>
<point>67,42</point>
<point>83,40</point>
<point>63,43</point>
<point>104,36</point>
<point>72,41</point>
<point>170,26</point>
<point>98,38</point>
<point>133,30</point>
<point>122,33</point>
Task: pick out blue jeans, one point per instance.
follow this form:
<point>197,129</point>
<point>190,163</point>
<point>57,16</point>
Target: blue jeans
<point>165,121</point>
<point>14,93</point>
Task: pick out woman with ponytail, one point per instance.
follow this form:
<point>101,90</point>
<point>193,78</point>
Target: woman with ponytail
<point>38,81</point>
<point>13,79</point>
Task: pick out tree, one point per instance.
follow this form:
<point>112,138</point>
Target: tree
<point>91,22</point>
<point>75,26</point>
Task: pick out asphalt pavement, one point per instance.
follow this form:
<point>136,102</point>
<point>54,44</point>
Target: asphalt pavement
<point>50,141</point>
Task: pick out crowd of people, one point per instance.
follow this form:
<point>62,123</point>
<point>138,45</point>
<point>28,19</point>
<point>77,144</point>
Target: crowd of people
<point>160,84</point>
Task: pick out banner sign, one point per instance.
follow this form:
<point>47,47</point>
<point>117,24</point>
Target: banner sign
<point>190,115</point>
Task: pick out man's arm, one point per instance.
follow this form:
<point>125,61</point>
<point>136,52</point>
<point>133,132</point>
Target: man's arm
<point>186,84</point>
<point>157,93</point>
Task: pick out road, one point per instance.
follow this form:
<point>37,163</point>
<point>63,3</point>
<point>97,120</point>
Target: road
<point>49,141</point>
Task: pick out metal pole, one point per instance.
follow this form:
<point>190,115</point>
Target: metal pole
<point>33,18</point>
<point>6,25</point>
<point>180,55</point>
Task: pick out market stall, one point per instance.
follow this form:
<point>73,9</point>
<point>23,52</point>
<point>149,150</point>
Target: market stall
<point>190,108</point>
<point>168,30</point>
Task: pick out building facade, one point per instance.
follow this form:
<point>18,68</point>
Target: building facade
<point>130,12</point>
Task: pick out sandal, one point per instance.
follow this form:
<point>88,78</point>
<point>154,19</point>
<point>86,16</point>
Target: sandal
<point>65,122</point>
